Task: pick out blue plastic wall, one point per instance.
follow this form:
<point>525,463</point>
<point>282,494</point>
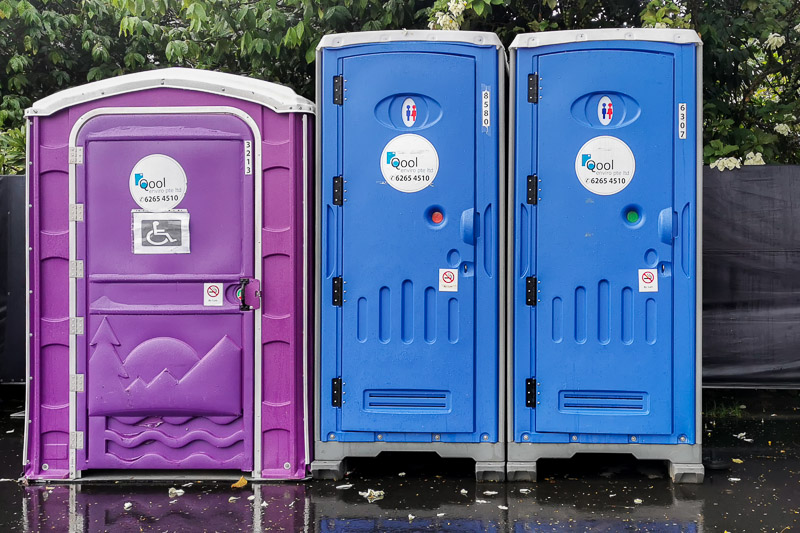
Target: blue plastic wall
<point>614,361</point>
<point>418,364</point>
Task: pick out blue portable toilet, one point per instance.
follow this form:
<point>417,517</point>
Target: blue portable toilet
<point>606,240</point>
<point>410,165</point>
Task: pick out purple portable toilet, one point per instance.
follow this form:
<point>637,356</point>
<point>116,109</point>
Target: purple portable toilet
<point>168,257</point>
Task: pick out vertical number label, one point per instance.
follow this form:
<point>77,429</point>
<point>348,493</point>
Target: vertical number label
<point>248,158</point>
<point>682,118</point>
<point>486,109</point>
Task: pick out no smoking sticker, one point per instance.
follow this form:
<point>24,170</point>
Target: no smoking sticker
<point>212,294</point>
<point>648,280</point>
<point>448,280</point>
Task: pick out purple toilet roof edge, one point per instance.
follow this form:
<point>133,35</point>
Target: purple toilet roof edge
<point>276,97</point>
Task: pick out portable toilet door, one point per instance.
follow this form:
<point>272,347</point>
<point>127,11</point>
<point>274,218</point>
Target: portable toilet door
<point>162,205</point>
<point>606,241</point>
<point>410,167</point>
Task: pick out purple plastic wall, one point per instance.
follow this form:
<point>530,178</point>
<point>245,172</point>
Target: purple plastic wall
<point>284,429</point>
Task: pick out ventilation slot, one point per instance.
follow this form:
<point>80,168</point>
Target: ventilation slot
<point>603,402</point>
<point>407,400</point>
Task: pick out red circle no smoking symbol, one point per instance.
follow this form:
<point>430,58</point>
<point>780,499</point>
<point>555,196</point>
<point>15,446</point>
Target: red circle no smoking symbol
<point>213,291</point>
<point>648,277</point>
<point>448,277</point>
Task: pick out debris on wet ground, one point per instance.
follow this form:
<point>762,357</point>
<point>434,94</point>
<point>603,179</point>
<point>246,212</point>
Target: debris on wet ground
<point>345,486</point>
<point>187,484</point>
<point>402,474</point>
<point>502,507</point>
<point>127,506</point>
<point>239,484</point>
<point>737,461</point>
<point>372,495</point>
<point>464,492</point>
<point>524,491</point>
<point>10,431</point>
<point>743,436</point>
<point>439,515</point>
<point>233,499</point>
<point>637,501</point>
<point>481,501</point>
<point>251,497</point>
<point>489,492</point>
<point>174,493</point>
<point>734,479</point>
<point>411,517</point>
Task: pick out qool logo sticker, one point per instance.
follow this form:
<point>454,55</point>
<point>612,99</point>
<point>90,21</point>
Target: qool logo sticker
<point>605,110</point>
<point>409,111</point>
<point>605,165</point>
<point>409,163</point>
<point>157,183</point>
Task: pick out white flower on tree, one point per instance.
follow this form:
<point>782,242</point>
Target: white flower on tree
<point>783,129</point>
<point>727,163</point>
<point>775,41</point>
<point>754,159</point>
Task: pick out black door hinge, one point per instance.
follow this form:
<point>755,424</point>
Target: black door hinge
<point>533,88</point>
<point>533,189</point>
<point>530,393</point>
<point>338,90</point>
<point>338,190</point>
<point>531,291</point>
<point>336,392</point>
<point>337,291</point>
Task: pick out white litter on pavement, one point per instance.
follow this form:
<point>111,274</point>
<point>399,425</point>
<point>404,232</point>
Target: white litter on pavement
<point>372,495</point>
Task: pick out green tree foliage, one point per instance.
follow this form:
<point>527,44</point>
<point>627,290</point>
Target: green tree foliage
<point>751,73</point>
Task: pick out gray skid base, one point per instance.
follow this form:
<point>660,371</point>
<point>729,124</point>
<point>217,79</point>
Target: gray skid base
<point>685,462</point>
<point>330,457</point>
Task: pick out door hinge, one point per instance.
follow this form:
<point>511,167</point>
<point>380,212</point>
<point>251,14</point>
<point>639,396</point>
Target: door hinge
<point>531,291</point>
<point>76,382</point>
<point>338,90</point>
<point>76,155</point>
<point>530,393</point>
<point>76,212</point>
<point>76,440</point>
<point>338,291</point>
<point>76,325</point>
<point>533,189</point>
<point>336,392</point>
<point>338,190</point>
<point>76,269</point>
<point>533,88</point>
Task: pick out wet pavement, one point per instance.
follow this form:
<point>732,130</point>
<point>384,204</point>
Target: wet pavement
<point>759,491</point>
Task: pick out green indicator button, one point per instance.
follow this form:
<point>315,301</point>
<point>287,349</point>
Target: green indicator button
<point>632,216</point>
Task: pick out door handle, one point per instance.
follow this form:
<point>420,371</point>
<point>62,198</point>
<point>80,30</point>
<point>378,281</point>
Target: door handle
<point>249,291</point>
<point>667,225</point>
<point>469,223</point>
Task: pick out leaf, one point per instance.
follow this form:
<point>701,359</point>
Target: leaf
<point>478,8</point>
<point>239,484</point>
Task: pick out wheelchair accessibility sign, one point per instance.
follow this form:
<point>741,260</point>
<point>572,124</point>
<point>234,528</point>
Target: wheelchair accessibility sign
<point>161,233</point>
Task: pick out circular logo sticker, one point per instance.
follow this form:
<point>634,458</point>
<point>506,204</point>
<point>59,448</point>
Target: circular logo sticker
<point>605,165</point>
<point>409,163</point>
<point>157,183</point>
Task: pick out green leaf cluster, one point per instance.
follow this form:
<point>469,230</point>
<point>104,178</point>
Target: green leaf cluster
<point>751,87</point>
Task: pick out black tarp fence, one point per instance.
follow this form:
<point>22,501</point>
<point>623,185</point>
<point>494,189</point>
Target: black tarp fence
<point>751,277</point>
<point>12,279</point>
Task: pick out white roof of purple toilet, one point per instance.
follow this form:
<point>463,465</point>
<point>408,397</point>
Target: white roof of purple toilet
<point>277,97</point>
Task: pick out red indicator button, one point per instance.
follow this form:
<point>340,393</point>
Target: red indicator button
<point>437,217</point>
